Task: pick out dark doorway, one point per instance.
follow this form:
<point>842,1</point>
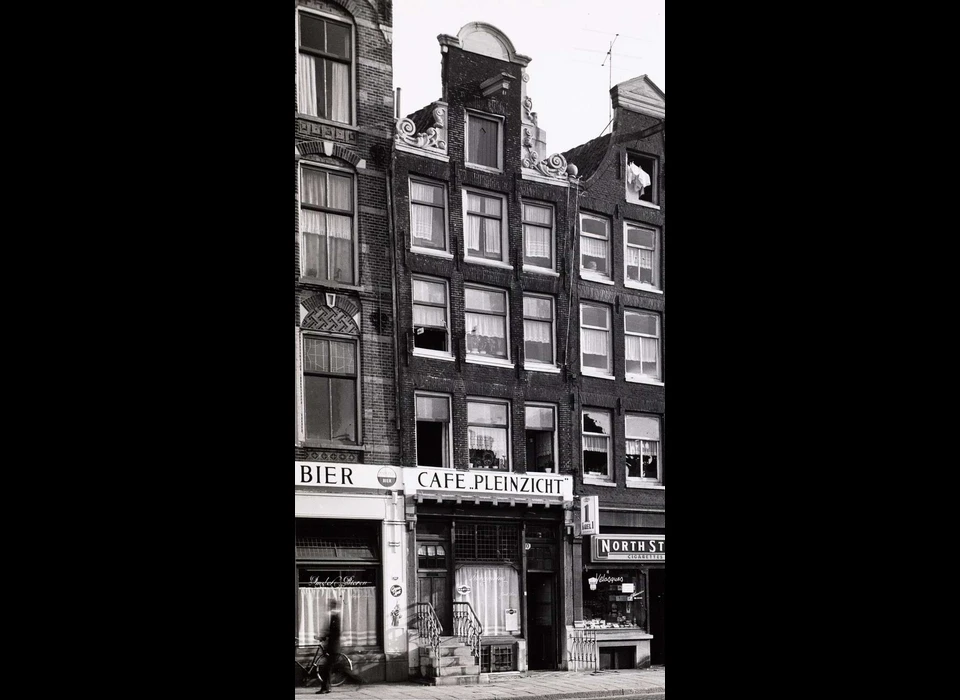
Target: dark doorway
<point>432,588</point>
<point>541,619</point>
<point>658,607</point>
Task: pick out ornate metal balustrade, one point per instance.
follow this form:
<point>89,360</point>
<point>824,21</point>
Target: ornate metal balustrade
<point>429,626</point>
<point>466,625</point>
<point>582,650</point>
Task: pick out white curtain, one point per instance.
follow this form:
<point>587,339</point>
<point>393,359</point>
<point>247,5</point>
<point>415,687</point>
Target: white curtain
<point>595,444</point>
<point>429,316</point>
<point>649,349</point>
<point>493,591</point>
<point>358,614</point>
<point>339,92</point>
<point>307,85</point>
<point>536,307</point>
<point>536,332</point>
<point>482,300</point>
<point>314,187</point>
<point>487,326</point>
<point>432,292</point>
<point>421,222</point>
<point>338,192</point>
<point>537,215</point>
<point>536,241</point>
<point>595,342</point>
<point>593,248</point>
<point>633,348</point>
<point>473,232</point>
<point>491,238</point>
<point>423,193</point>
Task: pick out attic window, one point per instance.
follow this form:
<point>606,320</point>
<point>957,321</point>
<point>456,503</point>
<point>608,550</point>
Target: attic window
<point>483,142</point>
<point>641,178</point>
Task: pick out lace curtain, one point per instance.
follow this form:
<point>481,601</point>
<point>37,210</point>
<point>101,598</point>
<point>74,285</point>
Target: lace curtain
<point>358,614</point>
<point>595,342</point>
<point>493,591</point>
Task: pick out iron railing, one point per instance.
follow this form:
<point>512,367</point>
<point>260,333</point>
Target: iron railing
<point>429,626</point>
<point>582,650</point>
<point>466,626</point>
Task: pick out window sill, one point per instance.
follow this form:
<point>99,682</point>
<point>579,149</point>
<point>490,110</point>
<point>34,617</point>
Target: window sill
<point>636,379</point>
<point>488,263</point>
<point>640,484</point>
<point>328,445</point>
<point>540,271</point>
<point>433,354</point>
<point>552,369</point>
<point>648,205</point>
<point>330,285</point>
<point>588,373</point>
<point>430,251</point>
<point>321,120</point>
<point>493,362</point>
<point>594,278</point>
<point>482,168</point>
<point>595,481</point>
<point>643,287</point>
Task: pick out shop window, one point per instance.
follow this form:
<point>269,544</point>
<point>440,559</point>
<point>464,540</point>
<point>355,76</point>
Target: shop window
<point>594,246</point>
<point>641,179</point>
<point>431,556</point>
<point>330,389</point>
<point>326,225</point>
<point>538,236</point>
<point>541,437</point>
<point>641,256</point>
<point>433,430</point>
<point>538,330</point>
<point>493,592</point>
<point>357,594</point>
<point>324,67</point>
<point>486,322</point>
<point>596,357</point>
<point>596,445</point>
<point>483,137</point>
<point>488,434</point>
<point>643,447</point>
<point>642,338</point>
<point>485,227</point>
<point>428,216</point>
<point>614,599</point>
<point>431,324</point>
<point>487,542</point>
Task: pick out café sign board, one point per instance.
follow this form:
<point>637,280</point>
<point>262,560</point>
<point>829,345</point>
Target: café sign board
<point>605,548</point>
<point>477,481</point>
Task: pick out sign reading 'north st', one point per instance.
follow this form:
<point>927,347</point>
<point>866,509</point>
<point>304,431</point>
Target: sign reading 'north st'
<point>628,548</point>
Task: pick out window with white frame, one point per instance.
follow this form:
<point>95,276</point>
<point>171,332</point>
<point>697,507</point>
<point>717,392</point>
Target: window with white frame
<point>641,179</point>
<point>485,228</point>
<point>324,65</point>
<point>428,215</point>
<point>597,457</point>
<point>538,329</point>
<point>484,146</point>
<point>488,434</point>
<point>642,333</point>
<point>326,225</point>
<point>596,356</point>
<point>329,389</point>
<point>541,437</point>
<point>433,430</point>
<point>538,235</point>
<point>594,245</point>
<point>642,433</point>
<point>486,322</point>
<point>431,322</point>
<point>641,255</point>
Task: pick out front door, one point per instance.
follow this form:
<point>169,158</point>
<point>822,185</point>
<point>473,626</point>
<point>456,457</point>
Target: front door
<point>541,620</point>
<point>658,608</point>
<point>432,588</point>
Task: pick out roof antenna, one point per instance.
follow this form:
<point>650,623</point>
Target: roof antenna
<point>610,84</point>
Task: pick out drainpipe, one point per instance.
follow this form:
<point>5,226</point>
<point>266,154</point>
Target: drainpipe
<point>393,291</point>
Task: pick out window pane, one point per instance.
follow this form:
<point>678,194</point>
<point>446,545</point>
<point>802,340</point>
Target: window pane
<point>338,40</point>
<point>537,246</point>
<point>593,254</point>
<point>343,408</point>
<point>316,355</point>
<point>311,32</point>
<point>488,447</point>
<point>484,142</point>
<point>594,316</point>
<point>435,408</point>
<point>342,358</point>
<point>433,292</point>
<point>487,413</point>
<point>340,192</point>
<point>645,427</point>
<point>485,300</point>
<point>483,205</point>
<point>536,307</point>
<point>314,187</point>
<point>539,417</point>
<point>637,322</point>
<point>316,405</point>
<point>640,236</point>
<point>596,422</point>
<point>422,192</point>
<point>337,91</point>
<point>486,335</point>
<point>537,215</point>
<point>594,226</point>
<point>426,226</point>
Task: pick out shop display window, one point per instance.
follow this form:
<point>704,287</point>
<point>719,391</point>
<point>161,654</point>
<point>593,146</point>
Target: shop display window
<point>614,600</point>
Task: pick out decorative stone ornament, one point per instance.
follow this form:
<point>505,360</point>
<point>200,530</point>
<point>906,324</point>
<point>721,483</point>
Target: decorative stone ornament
<point>432,141</point>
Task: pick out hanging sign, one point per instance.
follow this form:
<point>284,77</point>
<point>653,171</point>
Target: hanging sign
<point>589,515</point>
<point>606,548</point>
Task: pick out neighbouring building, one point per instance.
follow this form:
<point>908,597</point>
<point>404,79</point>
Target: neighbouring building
<point>488,434</point>
<point>349,521</point>
<point>619,356</point>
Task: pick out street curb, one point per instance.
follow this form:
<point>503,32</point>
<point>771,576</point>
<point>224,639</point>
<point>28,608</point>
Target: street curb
<point>651,693</point>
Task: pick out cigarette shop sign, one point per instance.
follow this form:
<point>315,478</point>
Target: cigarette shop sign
<point>627,548</point>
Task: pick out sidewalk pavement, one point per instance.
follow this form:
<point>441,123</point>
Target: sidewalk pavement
<point>647,683</point>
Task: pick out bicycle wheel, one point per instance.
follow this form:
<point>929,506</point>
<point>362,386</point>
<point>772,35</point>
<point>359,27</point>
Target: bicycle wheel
<point>337,675</point>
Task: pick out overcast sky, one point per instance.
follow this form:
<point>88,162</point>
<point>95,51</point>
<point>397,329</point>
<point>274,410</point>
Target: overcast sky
<point>567,40</point>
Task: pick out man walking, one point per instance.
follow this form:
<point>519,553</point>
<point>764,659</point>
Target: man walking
<point>333,652</point>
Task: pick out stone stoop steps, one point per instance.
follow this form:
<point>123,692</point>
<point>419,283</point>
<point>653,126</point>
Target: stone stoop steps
<point>455,666</point>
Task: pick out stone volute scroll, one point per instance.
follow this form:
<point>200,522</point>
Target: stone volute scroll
<point>533,146</point>
<point>424,132</point>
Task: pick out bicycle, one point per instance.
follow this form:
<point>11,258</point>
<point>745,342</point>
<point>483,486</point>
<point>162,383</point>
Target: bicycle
<point>311,672</point>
